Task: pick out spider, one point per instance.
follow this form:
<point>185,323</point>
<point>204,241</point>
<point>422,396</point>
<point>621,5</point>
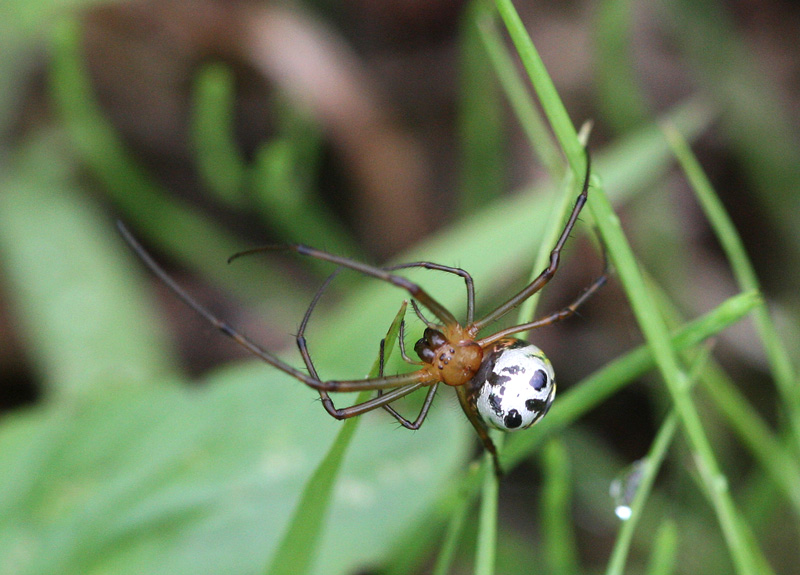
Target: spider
<point>501,382</point>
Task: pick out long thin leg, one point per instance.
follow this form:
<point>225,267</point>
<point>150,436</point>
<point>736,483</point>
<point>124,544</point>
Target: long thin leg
<point>302,345</point>
<point>422,317</point>
<point>423,413</point>
<point>555,255</point>
<point>402,341</point>
<point>417,423</point>
<point>374,403</point>
<point>211,318</point>
<point>470,283</point>
<point>550,319</point>
<point>415,379</point>
<point>467,401</point>
<point>415,290</point>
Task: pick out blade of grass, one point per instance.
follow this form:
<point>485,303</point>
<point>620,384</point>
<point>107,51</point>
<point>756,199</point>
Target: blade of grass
<point>732,245</point>
<point>665,550</point>
<point>653,461</point>
<point>455,528</point>
<point>757,122</point>
<point>481,118</point>
<point>296,552</point>
<point>619,96</point>
<point>558,538</point>
<point>218,160</point>
<point>747,558</point>
<point>532,122</point>
<point>486,548</point>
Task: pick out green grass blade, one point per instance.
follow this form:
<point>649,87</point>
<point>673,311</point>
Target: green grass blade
<point>665,550</point>
<point>481,118</point>
<point>297,550</point>
<point>558,539</point>
<point>218,160</point>
<point>619,96</point>
<point>777,354</point>
<point>746,557</point>
<point>542,142</point>
<point>652,464</point>
<point>548,95</point>
<point>486,548</point>
<point>758,122</point>
<point>455,528</point>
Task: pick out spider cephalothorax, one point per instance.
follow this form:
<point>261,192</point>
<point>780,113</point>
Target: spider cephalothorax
<point>500,381</point>
<point>453,360</point>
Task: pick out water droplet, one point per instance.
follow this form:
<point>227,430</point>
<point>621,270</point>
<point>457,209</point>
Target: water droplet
<point>624,488</point>
<point>623,512</point>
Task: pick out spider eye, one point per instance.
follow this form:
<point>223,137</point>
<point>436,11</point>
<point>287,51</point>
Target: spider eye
<point>434,338</point>
<point>517,387</point>
<point>424,352</point>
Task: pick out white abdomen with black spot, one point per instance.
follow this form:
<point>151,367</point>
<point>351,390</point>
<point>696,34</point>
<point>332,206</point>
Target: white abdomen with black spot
<point>518,386</point>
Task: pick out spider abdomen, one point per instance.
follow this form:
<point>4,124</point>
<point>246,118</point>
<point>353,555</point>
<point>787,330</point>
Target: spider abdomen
<point>515,385</point>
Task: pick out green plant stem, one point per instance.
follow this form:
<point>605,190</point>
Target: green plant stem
<point>653,461</point>
<point>560,548</point>
<point>746,557</point>
<point>486,551</point>
<point>665,550</point>
<point>531,120</point>
<point>455,528</point>
<point>777,354</point>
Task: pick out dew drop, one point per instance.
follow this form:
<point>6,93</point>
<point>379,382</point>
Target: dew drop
<point>624,487</point>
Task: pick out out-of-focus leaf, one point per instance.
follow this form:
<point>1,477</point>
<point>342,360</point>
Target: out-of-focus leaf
<point>69,284</point>
<point>166,480</point>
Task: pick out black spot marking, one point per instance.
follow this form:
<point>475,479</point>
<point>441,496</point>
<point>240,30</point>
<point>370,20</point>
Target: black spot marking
<point>494,403</point>
<point>539,380</point>
<point>536,405</point>
<point>513,419</point>
<point>514,369</point>
<point>486,368</point>
<point>497,379</point>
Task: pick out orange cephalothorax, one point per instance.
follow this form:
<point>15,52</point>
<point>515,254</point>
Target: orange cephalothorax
<point>453,363</point>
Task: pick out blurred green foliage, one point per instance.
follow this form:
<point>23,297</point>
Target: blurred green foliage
<point>127,464</point>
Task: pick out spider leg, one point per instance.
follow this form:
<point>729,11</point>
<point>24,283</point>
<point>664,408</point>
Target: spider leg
<point>422,317</point>
<point>210,317</point>
<point>562,314</point>
<point>548,273</point>
<point>407,382</point>
<point>470,283</point>
<point>467,400</point>
<point>413,289</point>
<point>417,423</point>
<point>423,413</point>
<point>402,339</point>
<point>374,403</point>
